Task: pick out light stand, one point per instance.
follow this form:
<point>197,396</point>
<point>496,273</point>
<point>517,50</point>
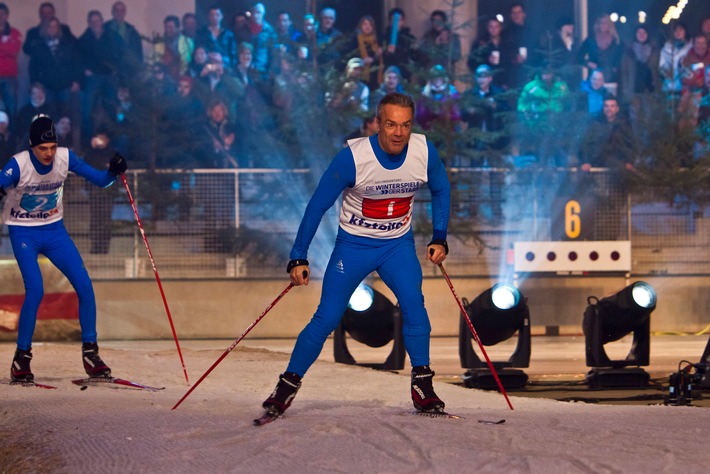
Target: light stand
<point>610,319</point>
<point>375,326</point>
<point>495,325</point>
<point>705,362</point>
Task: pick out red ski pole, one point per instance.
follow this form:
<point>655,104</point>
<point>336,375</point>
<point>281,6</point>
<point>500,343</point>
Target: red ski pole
<point>234,344</point>
<point>475,335</point>
<point>155,270</point>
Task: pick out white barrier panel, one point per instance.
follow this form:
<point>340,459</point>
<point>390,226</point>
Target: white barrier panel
<point>570,256</point>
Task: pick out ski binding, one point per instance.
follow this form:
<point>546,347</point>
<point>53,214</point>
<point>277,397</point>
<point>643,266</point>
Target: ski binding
<point>267,417</point>
<point>438,414</point>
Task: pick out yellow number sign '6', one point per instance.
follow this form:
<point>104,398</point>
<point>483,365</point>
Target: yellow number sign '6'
<point>573,221</point>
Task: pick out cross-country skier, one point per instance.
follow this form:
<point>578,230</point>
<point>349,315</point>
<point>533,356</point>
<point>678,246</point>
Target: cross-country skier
<point>378,177</point>
<point>33,211</point>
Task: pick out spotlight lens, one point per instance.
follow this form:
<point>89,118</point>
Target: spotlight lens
<point>643,295</point>
<point>362,298</point>
<point>505,296</point>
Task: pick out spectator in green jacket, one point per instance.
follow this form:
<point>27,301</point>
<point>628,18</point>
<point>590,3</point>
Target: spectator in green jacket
<point>545,93</point>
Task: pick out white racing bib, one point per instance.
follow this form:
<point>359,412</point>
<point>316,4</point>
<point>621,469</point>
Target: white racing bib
<point>37,198</point>
<point>381,202</point>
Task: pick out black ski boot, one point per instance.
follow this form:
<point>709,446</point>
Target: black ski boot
<point>93,365</point>
<point>423,395</point>
<point>283,394</point>
<point>20,369</point>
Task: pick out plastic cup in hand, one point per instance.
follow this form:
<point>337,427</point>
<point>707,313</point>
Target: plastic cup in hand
<point>495,57</point>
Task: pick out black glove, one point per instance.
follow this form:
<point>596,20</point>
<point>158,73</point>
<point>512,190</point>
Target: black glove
<point>117,165</point>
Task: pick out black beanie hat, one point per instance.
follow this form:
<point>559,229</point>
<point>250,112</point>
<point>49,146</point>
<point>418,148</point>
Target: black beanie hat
<point>42,131</point>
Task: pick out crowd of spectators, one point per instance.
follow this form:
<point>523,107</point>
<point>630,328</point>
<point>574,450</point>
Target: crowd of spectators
<point>220,88</point>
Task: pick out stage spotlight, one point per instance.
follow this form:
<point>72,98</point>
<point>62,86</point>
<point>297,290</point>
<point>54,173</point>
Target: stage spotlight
<point>373,320</point>
<point>362,298</point>
<point>496,314</point>
<point>611,318</point>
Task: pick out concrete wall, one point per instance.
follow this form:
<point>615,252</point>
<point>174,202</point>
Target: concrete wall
<point>225,308</point>
<point>146,15</point>
<point>463,18</point>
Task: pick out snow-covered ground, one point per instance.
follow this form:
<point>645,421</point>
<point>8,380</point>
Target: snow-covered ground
<point>344,419</point>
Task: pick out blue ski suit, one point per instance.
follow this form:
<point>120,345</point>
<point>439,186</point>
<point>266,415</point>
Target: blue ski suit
<point>366,246</point>
<point>33,212</point>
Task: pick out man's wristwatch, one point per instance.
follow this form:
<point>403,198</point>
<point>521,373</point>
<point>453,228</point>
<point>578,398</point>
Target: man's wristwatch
<point>440,242</point>
<point>295,263</point>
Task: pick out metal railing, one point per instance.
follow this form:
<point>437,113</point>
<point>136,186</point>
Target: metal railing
<point>241,223</point>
